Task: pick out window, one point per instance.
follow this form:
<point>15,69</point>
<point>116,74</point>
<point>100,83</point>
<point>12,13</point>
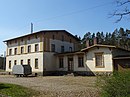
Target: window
<point>36,47</point>
<point>10,42</point>
<point>15,51</point>
<point>22,40</point>
<point>70,40</point>
<point>80,62</point>
<point>36,36</point>
<point>99,60</point>
<point>53,37</point>
<point>62,38</point>
<point>15,41</point>
<point>61,63</point>
<point>28,61</point>
<point>10,51</point>
<point>36,63</point>
<point>62,49</point>
<point>22,50</point>
<point>9,64</point>
<point>29,38</point>
<point>15,62</point>
<point>21,62</point>
<point>53,47</point>
<point>70,49</point>
<point>29,48</point>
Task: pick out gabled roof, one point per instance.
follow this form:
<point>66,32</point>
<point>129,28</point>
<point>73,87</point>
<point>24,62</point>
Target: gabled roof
<point>97,45</point>
<point>43,31</point>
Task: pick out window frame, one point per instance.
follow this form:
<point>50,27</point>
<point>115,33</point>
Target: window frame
<point>80,61</point>
<point>22,50</point>
<point>10,51</point>
<point>98,63</point>
<point>10,64</point>
<point>15,62</point>
<point>62,49</point>
<point>21,62</point>
<point>29,48</point>
<point>61,62</point>
<point>15,51</point>
<point>29,61</point>
<point>36,47</point>
<point>36,63</point>
<point>53,47</point>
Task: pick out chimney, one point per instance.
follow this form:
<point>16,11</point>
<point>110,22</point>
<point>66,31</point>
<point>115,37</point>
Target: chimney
<point>87,43</point>
<point>95,40</point>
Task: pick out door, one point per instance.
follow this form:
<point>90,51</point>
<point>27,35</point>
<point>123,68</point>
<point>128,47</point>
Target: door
<point>70,64</point>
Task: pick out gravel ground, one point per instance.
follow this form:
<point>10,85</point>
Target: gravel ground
<point>57,86</point>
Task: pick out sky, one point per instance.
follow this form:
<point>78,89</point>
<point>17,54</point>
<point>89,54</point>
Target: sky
<point>75,16</point>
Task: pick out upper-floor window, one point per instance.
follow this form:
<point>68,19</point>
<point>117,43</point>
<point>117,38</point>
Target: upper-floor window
<point>36,63</point>
<point>70,49</point>
<point>99,60</point>
<point>15,41</point>
<point>62,37</point>
<point>80,62</point>
<point>9,64</point>
<point>22,40</point>
<point>36,36</point>
<point>53,37</point>
<point>10,51</point>
<point>28,61</point>
<point>15,51</point>
<point>22,50</point>
<point>29,38</point>
<point>70,40</point>
<point>15,62</point>
<point>29,48</point>
<point>36,47</point>
<point>62,49</point>
<point>61,63</point>
<point>10,42</point>
<point>53,47</point>
<point>21,62</point>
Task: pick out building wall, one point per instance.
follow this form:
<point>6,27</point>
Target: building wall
<point>25,42</point>
<point>59,43</point>
<point>120,52</point>
<point>25,58</point>
<point>49,61</point>
<point>91,64</point>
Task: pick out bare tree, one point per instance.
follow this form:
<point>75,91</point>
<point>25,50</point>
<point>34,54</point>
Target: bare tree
<point>122,9</point>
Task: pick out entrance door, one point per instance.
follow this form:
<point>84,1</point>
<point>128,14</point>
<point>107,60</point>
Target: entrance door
<point>70,64</point>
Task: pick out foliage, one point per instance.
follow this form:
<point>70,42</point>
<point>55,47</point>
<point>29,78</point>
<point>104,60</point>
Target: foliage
<point>122,9</point>
<point>11,90</point>
<point>118,38</point>
<point>117,85</point>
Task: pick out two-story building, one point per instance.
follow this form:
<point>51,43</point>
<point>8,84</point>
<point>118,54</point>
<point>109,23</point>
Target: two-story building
<point>38,49</point>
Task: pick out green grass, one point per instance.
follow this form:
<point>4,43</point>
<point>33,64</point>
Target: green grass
<point>11,90</point>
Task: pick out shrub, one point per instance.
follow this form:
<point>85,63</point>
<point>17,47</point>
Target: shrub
<point>117,85</point>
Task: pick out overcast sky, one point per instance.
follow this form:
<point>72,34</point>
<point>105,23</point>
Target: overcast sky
<point>75,16</point>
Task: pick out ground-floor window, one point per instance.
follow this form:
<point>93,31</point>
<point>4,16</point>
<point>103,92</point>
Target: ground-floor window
<point>61,63</point>
<point>28,61</point>
<point>36,63</point>
<point>15,62</point>
<point>99,59</point>
<point>9,64</point>
<point>21,62</point>
<point>80,61</point>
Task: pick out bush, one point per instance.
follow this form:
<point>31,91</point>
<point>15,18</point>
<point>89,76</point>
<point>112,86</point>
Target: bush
<point>117,85</point>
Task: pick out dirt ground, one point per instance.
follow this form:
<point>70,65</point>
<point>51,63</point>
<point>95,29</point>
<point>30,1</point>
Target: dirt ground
<point>57,86</point>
